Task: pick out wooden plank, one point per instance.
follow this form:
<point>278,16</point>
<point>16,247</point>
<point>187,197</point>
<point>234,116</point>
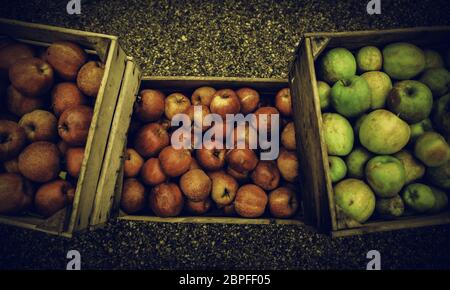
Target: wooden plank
<point>97,139</point>
<point>115,150</point>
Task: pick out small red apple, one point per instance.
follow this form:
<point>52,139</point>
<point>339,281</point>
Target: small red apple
<point>12,139</point>
<point>249,99</point>
<point>250,201</point>
<point>283,202</point>
<point>53,196</point>
<point>134,195</point>
<point>74,125</point>
<point>283,102</point>
<point>288,136</point>
<point>149,105</point>
<point>74,158</point>
<point>287,163</point>
<point>266,175</point>
<point>11,51</point>
<point>195,185</point>
<point>90,77</point>
<point>66,58</point>
<point>19,104</point>
<point>268,112</point>
<point>211,159</point>
<point>152,173</point>
<point>202,96</point>
<point>166,200</point>
<point>133,163</point>
<point>40,161</point>
<point>175,162</point>
<point>176,103</point>
<point>224,188</point>
<point>225,102</point>
<point>150,140</point>
<point>33,77</point>
<point>39,125</point>
<point>242,160</point>
<point>66,95</point>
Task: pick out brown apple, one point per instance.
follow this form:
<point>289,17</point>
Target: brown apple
<point>133,163</point>
<point>90,77</point>
<point>288,136</point>
<point>241,160</point>
<point>152,173</point>
<point>225,102</point>
<point>224,188</point>
<point>249,99</point>
<point>198,207</point>
<point>283,202</point>
<point>268,112</point>
<point>283,102</point>
<point>166,200</point>
<point>176,103</point>
<point>287,163</point>
<point>149,105</point>
<point>40,161</point>
<point>211,159</point>
<point>150,140</point>
<point>11,166</point>
<point>19,104</point>
<point>12,139</point>
<point>32,77</point>
<point>15,193</point>
<point>66,95</point>
<point>251,201</point>
<point>204,112</point>
<point>66,58</point>
<point>175,162</point>
<point>239,176</point>
<point>133,198</point>
<point>195,185</point>
<point>74,125</point>
<point>202,96</point>
<point>12,52</point>
<point>53,196</point>
<point>39,125</point>
<point>266,175</point>
<point>74,159</point>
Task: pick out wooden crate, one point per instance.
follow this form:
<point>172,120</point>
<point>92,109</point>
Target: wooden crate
<point>110,186</point>
<point>77,217</point>
<point>317,191</point>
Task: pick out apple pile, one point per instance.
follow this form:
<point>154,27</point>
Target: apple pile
<point>46,99</point>
<point>386,130</point>
<point>165,181</point>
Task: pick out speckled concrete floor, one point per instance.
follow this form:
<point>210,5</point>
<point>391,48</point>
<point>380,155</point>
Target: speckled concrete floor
<point>223,38</point>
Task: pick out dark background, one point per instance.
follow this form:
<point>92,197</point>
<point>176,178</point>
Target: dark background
<point>223,38</point>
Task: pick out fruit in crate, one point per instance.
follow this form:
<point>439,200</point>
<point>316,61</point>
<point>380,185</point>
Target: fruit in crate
<point>418,129</point>
<point>39,125</point>
<point>433,59</point>
<point>150,140</point>
<point>32,77</point>
<point>152,172</point>
<point>438,80</point>
<point>19,104</point>
<point>198,207</point>
<point>53,196</point>
<point>266,175</point>
<point>283,202</point>
<point>441,116</point>
<point>385,175</point>
<point>11,52</point>
<point>391,207</point>
<point>175,162</point>
<point>338,134</point>
<point>12,139</point>
<point>380,85</point>
<point>369,58</point>
<point>40,161</point>
<point>441,203</point>
<point>249,99</point>
<point>166,200</point>
<point>324,91</point>
<point>251,201</point>
<point>338,168</point>
<point>283,102</point>
<point>66,95</point>
<point>355,199</point>
<point>134,196</point>
<point>288,136</point>
<point>89,78</point>
<point>337,64</point>
<point>74,158</point>
<point>225,102</point>
<point>74,125</point>
<point>242,160</point>
<point>403,61</point>
<point>16,193</point>
<point>211,159</point>
<point>288,165</point>
<point>432,149</point>
<point>356,162</point>
<point>224,188</point>
<point>133,163</point>
<point>351,97</point>
<point>150,105</point>
<point>382,132</point>
<point>203,96</point>
<point>419,197</point>
<point>413,168</point>
<point>195,185</point>
<point>66,58</point>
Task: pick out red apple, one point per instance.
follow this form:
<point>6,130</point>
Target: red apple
<point>176,103</point>
<point>202,96</point>
<point>133,163</point>
<point>283,102</point>
<point>195,185</point>
<point>268,112</point>
<point>90,77</point>
<point>15,193</point>
<point>11,51</point>
<point>40,161</point>
<point>53,196</point>
<point>74,159</point>
<point>204,112</point>
<point>175,162</point>
<point>65,96</point>
<point>74,125</point>
<point>224,188</point>
<point>19,104</point>
<point>150,140</point>
<point>149,105</point>
<point>287,163</point>
<point>239,176</point>
<point>12,139</point>
<point>249,99</point>
<point>244,137</point>
<point>198,207</point>
<point>152,173</point>
<point>283,202</point>
<point>242,160</point>
<point>288,136</point>
<point>39,125</point>
<point>211,159</point>
<point>66,58</point>
<point>225,102</point>
<point>266,175</point>
<point>33,77</point>
<point>133,198</point>
<point>166,200</point>
<point>250,201</point>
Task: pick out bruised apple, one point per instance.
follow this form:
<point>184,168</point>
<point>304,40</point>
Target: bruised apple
<point>150,140</point>
<point>66,95</point>
<point>133,163</point>
<point>266,175</point>
<point>39,125</point>
<point>53,196</point>
<point>283,202</point>
<point>166,200</point>
<point>74,125</point>
<point>133,198</point>
<point>40,161</point>
<point>33,77</point>
<point>225,102</point>
<point>249,99</point>
<point>19,104</point>
<point>195,185</point>
<point>90,77</point>
<point>176,103</point>
<point>175,162</point>
<point>12,139</point>
<point>74,158</point>
<point>149,105</point>
<point>66,58</point>
<point>202,96</point>
<point>250,201</point>
<point>152,173</point>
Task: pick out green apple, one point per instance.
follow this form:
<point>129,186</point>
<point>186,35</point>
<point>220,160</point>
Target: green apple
<point>324,95</point>
<point>433,59</point>
<point>390,207</point>
<point>432,149</point>
<point>382,132</point>
<point>355,199</point>
<point>337,64</point>
<point>403,61</point>
<point>441,200</point>
<point>385,175</point>
<point>380,85</point>
<point>418,129</point>
<point>442,114</point>
<point>358,124</point>
<point>350,97</point>
<point>338,169</point>
<point>338,134</point>
<point>356,162</point>
<point>438,80</point>
<point>413,168</point>
<point>419,197</point>
<point>440,175</point>
<point>410,100</point>
<point>369,58</point>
